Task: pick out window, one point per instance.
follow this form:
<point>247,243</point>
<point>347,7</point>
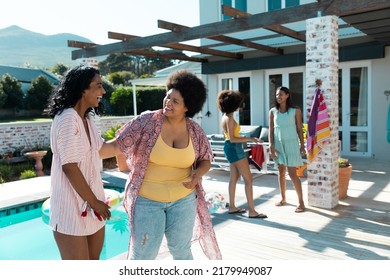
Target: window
<point>281,4</point>
<point>238,4</point>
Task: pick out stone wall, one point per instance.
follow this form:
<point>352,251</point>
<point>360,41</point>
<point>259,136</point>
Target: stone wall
<point>24,135</point>
<point>322,63</point>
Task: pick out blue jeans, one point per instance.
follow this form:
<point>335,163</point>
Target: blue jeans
<point>153,219</point>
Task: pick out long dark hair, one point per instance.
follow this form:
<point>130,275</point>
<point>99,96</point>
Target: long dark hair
<point>289,102</point>
<point>70,90</point>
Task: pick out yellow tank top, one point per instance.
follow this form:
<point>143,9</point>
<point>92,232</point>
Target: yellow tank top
<point>168,168</point>
<point>236,132</point>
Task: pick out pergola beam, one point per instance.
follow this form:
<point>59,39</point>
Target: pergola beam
<point>235,13</point>
<point>261,20</point>
<point>179,46</point>
<point>148,53</point>
<point>207,30</point>
<point>177,28</point>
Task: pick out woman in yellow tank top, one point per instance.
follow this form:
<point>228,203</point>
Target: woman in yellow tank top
<point>168,153</point>
<point>228,102</point>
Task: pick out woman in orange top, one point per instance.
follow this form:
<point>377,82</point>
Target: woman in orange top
<point>228,102</point>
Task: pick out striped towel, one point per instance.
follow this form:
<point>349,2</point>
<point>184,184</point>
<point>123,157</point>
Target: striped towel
<point>318,126</point>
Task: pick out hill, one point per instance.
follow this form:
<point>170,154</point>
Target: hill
<point>21,47</point>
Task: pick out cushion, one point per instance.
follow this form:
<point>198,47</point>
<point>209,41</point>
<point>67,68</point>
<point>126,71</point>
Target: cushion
<point>250,130</point>
<point>217,137</point>
<point>264,133</point>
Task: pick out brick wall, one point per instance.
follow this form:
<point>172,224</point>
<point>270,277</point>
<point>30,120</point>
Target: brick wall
<point>16,135</point>
<point>322,63</point>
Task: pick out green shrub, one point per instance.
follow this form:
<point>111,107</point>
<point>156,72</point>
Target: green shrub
<point>6,172</point>
<point>110,133</point>
<point>26,174</point>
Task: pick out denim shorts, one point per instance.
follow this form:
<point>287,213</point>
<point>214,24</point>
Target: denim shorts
<point>233,151</point>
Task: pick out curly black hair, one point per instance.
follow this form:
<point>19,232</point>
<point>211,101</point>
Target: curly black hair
<point>191,88</point>
<point>70,90</point>
<point>228,101</point>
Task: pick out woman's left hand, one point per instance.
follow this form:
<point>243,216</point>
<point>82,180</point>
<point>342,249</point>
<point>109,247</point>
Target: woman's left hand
<point>194,180</point>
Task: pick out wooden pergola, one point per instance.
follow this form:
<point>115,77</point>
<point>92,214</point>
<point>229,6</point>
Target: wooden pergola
<point>371,17</point>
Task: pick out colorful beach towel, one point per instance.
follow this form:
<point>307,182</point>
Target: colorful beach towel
<point>318,133</point>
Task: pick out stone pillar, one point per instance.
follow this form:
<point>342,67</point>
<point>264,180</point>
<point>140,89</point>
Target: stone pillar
<point>322,64</point>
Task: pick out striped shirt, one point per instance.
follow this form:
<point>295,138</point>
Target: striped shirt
<point>69,143</point>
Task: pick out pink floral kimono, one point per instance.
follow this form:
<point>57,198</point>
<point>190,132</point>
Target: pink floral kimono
<point>136,140</point>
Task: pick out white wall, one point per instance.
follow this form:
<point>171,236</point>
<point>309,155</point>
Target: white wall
<point>211,124</point>
<point>380,106</point>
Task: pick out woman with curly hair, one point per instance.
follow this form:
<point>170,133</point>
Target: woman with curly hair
<point>77,208</point>
<point>168,153</point>
<point>228,102</point>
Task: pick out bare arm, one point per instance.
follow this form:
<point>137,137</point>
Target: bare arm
<point>298,121</point>
<point>231,125</point>
<point>78,182</point>
<point>202,167</point>
<point>271,135</point>
<point>109,149</point>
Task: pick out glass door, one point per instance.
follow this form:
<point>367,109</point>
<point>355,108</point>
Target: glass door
<point>242,83</point>
<point>293,78</point>
<point>354,117</point>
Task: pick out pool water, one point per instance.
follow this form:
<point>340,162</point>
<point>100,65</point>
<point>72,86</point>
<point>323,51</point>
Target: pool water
<point>26,236</point>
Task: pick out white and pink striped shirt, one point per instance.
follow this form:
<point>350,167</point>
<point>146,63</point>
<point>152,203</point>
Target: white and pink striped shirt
<point>69,143</point>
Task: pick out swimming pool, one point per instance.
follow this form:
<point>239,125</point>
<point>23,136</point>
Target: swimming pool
<point>25,236</point>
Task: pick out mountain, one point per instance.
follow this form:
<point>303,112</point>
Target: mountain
<point>21,47</point>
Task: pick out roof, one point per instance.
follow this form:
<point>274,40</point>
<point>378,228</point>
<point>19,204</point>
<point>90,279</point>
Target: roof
<point>269,33</point>
<point>162,75</point>
<point>26,75</point>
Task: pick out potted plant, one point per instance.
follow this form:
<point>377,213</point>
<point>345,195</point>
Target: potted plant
<point>345,171</point>
<point>120,158</point>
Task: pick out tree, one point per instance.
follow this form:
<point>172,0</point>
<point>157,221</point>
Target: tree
<point>116,63</point>
<point>39,93</point>
<point>3,96</point>
<point>139,65</point>
<point>109,88</point>
<point>59,69</point>
<point>122,101</point>
<point>13,90</point>
<point>116,79</point>
<point>121,78</point>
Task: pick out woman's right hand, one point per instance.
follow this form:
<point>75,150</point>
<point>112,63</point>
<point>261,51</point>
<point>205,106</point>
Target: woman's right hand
<point>101,209</point>
<point>257,140</point>
<point>272,152</point>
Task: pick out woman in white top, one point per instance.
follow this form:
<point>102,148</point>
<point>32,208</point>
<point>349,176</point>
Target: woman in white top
<point>77,207</point>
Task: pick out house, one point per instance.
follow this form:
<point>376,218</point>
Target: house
<point>362,82</point>
<point>255,46</point>
<point>26,75</point>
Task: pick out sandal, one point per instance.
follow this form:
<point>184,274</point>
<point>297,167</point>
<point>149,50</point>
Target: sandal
<point>281,203</point>
<point>300,209</point>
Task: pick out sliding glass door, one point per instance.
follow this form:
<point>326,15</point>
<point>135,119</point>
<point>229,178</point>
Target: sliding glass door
<point>354,104</point>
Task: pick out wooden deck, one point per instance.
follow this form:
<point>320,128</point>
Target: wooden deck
<point>357,229</point>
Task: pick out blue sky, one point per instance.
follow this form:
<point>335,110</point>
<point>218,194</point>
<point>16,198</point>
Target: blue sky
<point>94,18</point>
